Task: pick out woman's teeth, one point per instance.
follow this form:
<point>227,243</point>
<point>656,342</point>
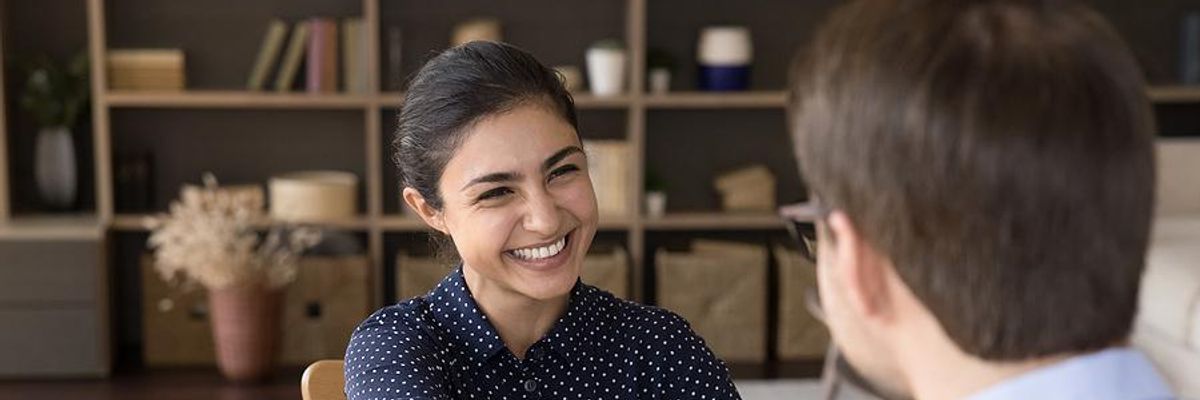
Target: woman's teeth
<point>539,253</point>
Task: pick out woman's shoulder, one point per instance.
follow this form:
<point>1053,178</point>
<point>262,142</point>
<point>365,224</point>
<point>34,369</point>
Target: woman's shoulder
<point>640,320</point>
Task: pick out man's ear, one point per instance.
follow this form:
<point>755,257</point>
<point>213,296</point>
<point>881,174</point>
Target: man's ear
<point>861,268</point>
<point>432,216</point>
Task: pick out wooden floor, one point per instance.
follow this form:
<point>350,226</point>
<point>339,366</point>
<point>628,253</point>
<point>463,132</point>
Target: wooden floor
<point>195,384</point>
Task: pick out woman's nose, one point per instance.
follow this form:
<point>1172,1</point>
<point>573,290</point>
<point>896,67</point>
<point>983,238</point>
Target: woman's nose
<point>542,216</point>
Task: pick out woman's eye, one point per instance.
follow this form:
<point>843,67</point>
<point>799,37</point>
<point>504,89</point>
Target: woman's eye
<point>566,169</point>
<point>494,193</point>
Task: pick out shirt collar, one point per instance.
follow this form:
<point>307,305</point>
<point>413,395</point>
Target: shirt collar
<point>581,328</point>
<point>455,310</point>
<point>1117,373</point>
<point>584,326</point>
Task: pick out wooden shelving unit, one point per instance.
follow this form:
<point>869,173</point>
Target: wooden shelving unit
<point>380,222</point>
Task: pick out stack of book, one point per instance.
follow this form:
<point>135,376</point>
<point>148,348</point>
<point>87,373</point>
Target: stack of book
<point>313,44</point>
<point>608,165</point>
<point>146,69</point>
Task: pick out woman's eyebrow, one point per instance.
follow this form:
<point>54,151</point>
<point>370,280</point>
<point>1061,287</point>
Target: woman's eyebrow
<point>498,177</point>
<point>501,177</point>
<point>559,156</point>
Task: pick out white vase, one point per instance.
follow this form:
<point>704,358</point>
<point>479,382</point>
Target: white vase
<point>54,167</point>
<point>606,71</point>
<point>656,204</point>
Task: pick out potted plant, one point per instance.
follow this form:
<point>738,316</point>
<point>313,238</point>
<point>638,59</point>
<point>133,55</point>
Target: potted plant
<point>606,67</point>
<point>209,238</point>
<point>661,65</point>
<point>56,95</point>
<point>656,195</point>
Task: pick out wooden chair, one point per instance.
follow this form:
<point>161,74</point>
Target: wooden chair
<point>323,380</point>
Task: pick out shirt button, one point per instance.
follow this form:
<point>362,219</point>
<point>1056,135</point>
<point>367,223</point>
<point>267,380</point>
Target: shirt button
<point>531,385</point>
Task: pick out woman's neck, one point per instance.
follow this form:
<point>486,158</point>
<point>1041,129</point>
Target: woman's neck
<point>519,320</point>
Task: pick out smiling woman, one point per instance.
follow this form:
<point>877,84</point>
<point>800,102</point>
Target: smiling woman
<point>490,154</point>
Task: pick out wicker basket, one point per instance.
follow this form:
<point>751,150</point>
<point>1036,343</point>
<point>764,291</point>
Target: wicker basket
<point>416,276</point>
<point>608,271</point>
<point>720,288</point>
<point>801,336</point>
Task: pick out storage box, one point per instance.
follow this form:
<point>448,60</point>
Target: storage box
<point>801,336</point>
<point>321,308</point>
<point>416,276</point>
<point>608,271</point>
<point>329,298</point>
<point>720,288</point>
<point>608,167</point>
<point>313,196</point>
<point>146,70</point>
<point>748,189</point>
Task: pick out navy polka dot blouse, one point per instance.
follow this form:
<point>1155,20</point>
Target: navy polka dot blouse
<point>441,346</point>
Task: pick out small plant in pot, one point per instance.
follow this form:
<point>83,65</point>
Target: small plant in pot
<point>661,66</point>
<point>209,238</point>
<point>56,96</point>
<point>656,195</point>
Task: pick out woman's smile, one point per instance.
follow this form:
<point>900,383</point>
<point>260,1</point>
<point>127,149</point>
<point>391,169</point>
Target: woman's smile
<point>544,256</point>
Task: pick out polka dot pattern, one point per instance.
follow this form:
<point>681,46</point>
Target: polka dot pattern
<point>441,346</point>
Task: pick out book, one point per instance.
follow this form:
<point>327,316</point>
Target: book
<point>322,56</point>
<point>292,57</point>
<point>354,56</point>
<point>395,74</point>
<point>267,54</point>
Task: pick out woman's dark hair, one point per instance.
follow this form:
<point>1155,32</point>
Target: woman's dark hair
<point>455,90</point>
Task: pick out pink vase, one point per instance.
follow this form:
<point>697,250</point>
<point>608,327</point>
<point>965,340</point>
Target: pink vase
<point>245,322</point>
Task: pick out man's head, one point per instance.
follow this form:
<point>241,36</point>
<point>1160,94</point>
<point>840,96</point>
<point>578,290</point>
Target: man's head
<point>990,160</point>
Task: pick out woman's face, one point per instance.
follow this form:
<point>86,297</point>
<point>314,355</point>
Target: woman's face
<point>519,204</point>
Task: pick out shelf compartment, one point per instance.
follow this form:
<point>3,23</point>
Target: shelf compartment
<point>237,100</point>
<point>136,223</point>
<point>701,100</point>
<point>714,221</point>
<point>52,227</point>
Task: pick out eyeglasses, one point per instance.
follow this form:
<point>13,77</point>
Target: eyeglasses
<point>800,220</point>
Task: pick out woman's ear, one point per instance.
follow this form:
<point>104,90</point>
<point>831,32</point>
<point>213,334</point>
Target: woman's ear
<point>432,216</point>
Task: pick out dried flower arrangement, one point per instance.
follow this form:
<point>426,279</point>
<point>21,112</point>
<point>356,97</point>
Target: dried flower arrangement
<point>209,237</point>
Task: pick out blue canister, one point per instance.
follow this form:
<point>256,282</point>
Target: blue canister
<point>724,78</point>
<point>724,54</point>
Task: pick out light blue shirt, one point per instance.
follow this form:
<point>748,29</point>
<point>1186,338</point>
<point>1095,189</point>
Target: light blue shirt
<point>1113,374</point>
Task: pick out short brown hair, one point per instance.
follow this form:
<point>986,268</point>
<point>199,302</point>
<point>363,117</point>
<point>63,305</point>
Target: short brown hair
<point>999,152</point>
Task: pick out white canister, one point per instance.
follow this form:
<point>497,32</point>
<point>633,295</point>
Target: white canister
<point>724,46</point>
<point>313,196</point>
<point>606,70</point>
